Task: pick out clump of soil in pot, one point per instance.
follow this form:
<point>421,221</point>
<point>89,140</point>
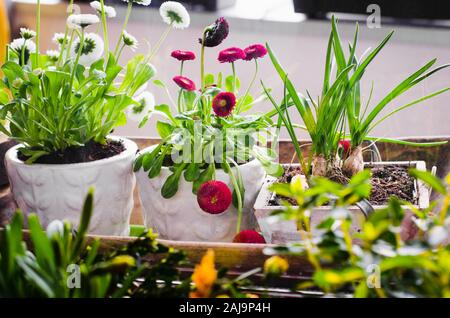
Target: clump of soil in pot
<point>386,181</point>
<point>92,151</point>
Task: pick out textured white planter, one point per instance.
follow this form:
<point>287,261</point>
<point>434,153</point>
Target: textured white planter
<point>180,218</point>
<point>280,232</point>
<point>58,191</point>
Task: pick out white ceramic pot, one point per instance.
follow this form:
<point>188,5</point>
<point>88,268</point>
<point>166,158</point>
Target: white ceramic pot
<point>58,191</point>
<point>180,218</point>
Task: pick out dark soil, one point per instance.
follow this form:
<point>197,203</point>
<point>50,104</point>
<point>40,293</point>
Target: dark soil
<point>386,181</point>
<point>390,181</point>
<point>92,151</point>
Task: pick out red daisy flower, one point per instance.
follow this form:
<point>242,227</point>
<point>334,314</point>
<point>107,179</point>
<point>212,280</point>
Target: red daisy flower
<point>249,237</point>
<point>184,83</point>
<point>183,55</point>
<point>214,197</point>
<point>216,33</point>
<point>231,54</point>
<point>223,104</point>
<point>254,51</point>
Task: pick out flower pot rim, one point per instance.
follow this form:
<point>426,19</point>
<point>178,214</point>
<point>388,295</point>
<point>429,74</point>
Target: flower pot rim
<point>147,149</point>
<point>422,194</point>
<point>130,150</point>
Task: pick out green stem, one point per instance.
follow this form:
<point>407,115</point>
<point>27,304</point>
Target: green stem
<point>125,23</point>
<point>238,195</point>
<point>120,51</point>
<point>38,31</point>
<point>181,68</point>
<point>22,52</point>
<point>159,43</point>
<point>202,63</point>
<point>69,46</point>
<point>234,77</point>
<point>238,108</point>
<point>75,65</point>
<point>105,31</point>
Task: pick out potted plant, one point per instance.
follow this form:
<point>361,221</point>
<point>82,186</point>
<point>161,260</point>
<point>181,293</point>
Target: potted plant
<point>332,155</point>
<point>200,182</point>
<point>62,107</point>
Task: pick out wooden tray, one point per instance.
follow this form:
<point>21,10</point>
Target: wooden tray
<point>240,258</point>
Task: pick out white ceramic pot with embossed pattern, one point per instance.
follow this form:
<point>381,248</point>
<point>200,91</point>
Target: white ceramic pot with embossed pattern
<point>57,191</point>
<point>180,218</point>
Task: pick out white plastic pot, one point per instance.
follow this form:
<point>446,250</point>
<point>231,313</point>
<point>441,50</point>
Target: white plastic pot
<point>280,232</point>
<point>180,218</point>
<point>57,191</point>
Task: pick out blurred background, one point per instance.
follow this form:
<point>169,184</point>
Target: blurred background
<point>298,32</point>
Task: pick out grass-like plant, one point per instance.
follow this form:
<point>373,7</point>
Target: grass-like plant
<point>76,94</point>
<point>339,108</point>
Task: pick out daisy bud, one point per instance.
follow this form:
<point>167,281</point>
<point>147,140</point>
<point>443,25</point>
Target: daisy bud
<point>27,34</point>
<point>223,104</point>
<point>216,33</point>
<point>129,40</point>
<point>17,83</point>
<point>275,266</point>
<point>58,38</point>
<point>110,12</point>
<point>184,83</point>
<point>141,2</point>
<point>75,21</point>
<point>183,55</point>
<point>55,228</point>
<point>249,237</point>
<point>254,51</point>
<point>146,104</point>
<point>231,55</point>
<point>175,14</point>
<point>52,55</point>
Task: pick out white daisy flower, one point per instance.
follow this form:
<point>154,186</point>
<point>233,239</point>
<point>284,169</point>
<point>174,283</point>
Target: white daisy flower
<point>141,2</point>
<point>110,12</point>
<point>58,38</point>
<point>92,49</point>
<point>53,55</point>
<point>146,103</point>
<point>75,21</point>
<point>27,33</point>
<point>175,14</point>
<point>129,40</point>
<point>28,47</point>
<point>55,228</point>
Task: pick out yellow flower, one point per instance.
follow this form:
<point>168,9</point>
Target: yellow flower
<point>204,276</point>
<point>275,266</point>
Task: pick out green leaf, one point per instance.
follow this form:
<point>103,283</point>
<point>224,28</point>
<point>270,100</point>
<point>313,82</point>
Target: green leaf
<point>429,179</point>
<point>170,187</point>
<point>206,175</point>
<point>192,172</point>
<point>229,83</point>
<point>209,79</point>
<point>164,129</point>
